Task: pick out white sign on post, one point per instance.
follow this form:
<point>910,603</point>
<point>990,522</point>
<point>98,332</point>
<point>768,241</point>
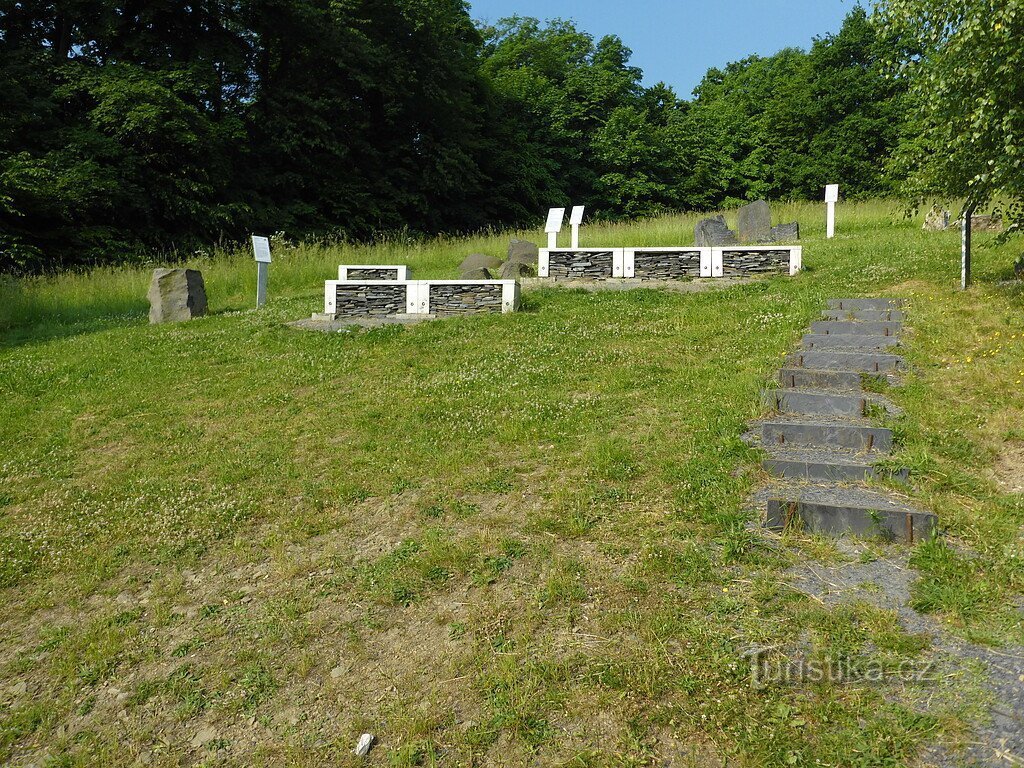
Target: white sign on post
<point>554,225</point>
<point>575,219</point>
<point>831,198</point>
<point>261,248</point>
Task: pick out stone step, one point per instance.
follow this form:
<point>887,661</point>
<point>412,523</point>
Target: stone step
<point>790,378</point>
<point>852,434</point>
<point>816,401</point>
<point>848,341</point>
<point>832,466</point>
<point>843,510</point>
<point>866,361</point>
<point>858,304</point>
<point>858,327</point>
<point>880,315</point>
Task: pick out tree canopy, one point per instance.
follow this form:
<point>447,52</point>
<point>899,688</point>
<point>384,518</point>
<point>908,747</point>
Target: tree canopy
<point>131,127</point>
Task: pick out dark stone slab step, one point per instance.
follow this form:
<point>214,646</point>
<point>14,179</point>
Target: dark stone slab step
<point>857,304</point>
<point>838,511</point>
<point>833,466</point>
<point>875,315</point>
<point>816,401</point>
<point>825,432</point>
<point>866,361</point>
<point>859,327</point>
<point>848,341</point>
<point>807,377</point>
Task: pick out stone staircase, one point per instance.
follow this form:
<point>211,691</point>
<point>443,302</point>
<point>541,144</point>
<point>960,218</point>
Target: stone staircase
<point>825,453</point>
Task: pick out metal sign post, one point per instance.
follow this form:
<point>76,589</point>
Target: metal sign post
<point>575,219</point>
<point>554,226</point>
<point>261,249</point>
<point>831,198</point>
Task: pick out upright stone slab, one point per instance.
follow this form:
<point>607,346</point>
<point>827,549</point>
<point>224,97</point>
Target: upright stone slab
<point>513,270</point>
<point>936,220</point>
<point>755,223</point>
<point>176,295</point>
<point>523,252</point>
<point>786,232</point>
<point>713,232</point>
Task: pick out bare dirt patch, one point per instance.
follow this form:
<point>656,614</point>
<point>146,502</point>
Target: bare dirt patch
<point>1009,468</point>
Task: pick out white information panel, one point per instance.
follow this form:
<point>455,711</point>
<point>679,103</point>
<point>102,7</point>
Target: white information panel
<point>576,217</point>
<point>554,224</point>
<point>832,193</point>
<point>261,247</point>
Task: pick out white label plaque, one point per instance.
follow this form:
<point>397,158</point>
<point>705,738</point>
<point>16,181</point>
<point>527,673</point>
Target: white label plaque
<point>576,217</point>
<point>554,225</point>
<point>261,247</point>
<point>832,193</point>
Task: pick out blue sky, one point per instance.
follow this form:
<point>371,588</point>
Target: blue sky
<point>678,41</point>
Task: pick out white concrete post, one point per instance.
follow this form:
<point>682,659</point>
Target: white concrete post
<point>554,226</point>
<point>261,249</point>
<point>831,198</point>
<point>575,219</point>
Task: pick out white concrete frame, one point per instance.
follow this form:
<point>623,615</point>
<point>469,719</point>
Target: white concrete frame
<point>417,293</point>
<point>401,270</point>
<point>629,258</point>
<point>544,260</point>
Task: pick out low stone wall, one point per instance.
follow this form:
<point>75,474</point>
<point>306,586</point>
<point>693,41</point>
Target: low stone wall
<point>451,299</point>
<point>372,273</point>
<point>370,300</point>
<point>666,265</point>
<point>580,265</point>
<point>752,262</point>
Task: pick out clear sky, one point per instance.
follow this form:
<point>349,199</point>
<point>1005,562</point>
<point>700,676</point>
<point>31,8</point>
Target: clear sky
<point>679,41</point>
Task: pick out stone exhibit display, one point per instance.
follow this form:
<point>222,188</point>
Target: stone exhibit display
<point>668,263</point>
<point>754,224</point>
<point>176,295</point>
<point>397,298</point>
<point>713,231</point>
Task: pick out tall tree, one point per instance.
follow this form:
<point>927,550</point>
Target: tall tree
<point>963,62</point>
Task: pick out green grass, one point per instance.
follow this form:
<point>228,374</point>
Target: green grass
<point>490,540</point>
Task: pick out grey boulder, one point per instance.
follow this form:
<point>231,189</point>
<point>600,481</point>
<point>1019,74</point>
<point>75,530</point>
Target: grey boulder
<point>480,273</point>
<point>755,222</point>
<point>936,220</point>
<point>176,295</point>
<point>478,261</point>
<point>713,232</point>
<point>785,232</point>
<point>523,252</point>
<point>513,270</point>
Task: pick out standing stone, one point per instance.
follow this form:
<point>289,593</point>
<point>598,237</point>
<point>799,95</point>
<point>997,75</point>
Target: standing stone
<point>513,270</point>
<point>175,295</point>
<point>523,252</point>
<point>713,232</point>
<point>479,261</point>
<point>936,220</point>
<point>476,274</point>
<point>755,223</point>
<point>785,232</point>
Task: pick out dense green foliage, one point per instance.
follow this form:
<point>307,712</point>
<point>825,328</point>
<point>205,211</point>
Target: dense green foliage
<point>129,127</point>
<point>963,62</point>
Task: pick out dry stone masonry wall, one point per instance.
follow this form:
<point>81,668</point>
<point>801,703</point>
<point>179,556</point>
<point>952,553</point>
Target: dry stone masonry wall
<point>754,262</point>
<point>666,265</point>
<point>370,300</point>
<point>372,273</point>
<point>580,265</point>
<point>453,299</point>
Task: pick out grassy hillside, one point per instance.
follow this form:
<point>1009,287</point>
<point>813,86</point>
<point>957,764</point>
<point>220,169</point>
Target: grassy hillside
<point>495,541</point>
